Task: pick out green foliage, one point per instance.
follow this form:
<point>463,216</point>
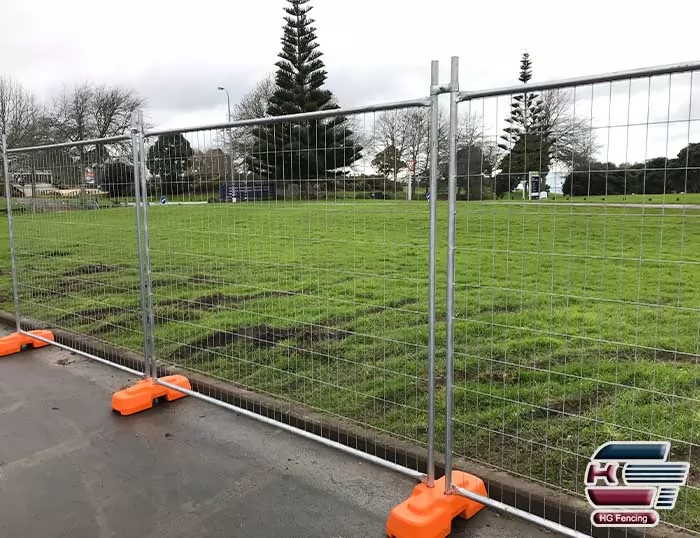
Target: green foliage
<point>525,68</point>
<point>474,173</point>
<point>116,178</point>
<point>528,139</point>
<point>654,176</point>
<point>170,158</point>
<point>301,150</point>
<point>389,162</point>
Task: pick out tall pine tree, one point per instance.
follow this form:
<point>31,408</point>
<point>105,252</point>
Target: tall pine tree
<point>301,150</point>
<point>527,139</point>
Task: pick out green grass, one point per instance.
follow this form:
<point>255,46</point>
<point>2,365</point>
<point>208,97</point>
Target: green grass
<point>575,325</point>
<point>691,198</point>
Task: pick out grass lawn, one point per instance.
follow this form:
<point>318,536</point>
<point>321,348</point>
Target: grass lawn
<point>691,198</point>
<point>576,325</point>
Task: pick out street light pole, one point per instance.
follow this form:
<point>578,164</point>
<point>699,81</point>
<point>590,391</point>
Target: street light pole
<point>228,106</point>
<point>228,100</point>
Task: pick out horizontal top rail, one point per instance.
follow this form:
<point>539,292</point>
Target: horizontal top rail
<point>108,140</point>
<point>582,81</point>
<point>317,115</point>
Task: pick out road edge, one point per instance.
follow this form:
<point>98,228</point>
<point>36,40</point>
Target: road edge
<point>537,499</point>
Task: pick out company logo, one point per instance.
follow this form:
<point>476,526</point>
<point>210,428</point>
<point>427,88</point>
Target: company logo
<point>649,483</point>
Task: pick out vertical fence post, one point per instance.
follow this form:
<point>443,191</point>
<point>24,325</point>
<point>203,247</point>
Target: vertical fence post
<point>136,156</point>
<point>452,196</point>
<point>143,394</point>
<point>434,111</point>
<point>147,253</point>
<point>11,231</point>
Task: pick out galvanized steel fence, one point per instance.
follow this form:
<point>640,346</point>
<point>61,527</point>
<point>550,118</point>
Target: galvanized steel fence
<point>388,274</point>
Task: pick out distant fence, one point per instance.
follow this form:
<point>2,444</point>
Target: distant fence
<point>502,327</point>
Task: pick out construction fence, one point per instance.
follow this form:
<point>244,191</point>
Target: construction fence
<point>503,285</point>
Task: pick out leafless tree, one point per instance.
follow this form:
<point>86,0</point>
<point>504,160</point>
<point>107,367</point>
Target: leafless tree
<point>573,139</point>
<point>71,118</point>
<point>407,130</point>
<point>21,117</point>
<point>254,104</point>
<point>112,108</point>
<point>86,112</point>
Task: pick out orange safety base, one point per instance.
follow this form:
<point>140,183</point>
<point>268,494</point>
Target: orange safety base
<point>428,512</point>
<point>14,343</point>
<point>140,397</point>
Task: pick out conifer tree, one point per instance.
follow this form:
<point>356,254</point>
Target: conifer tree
<point>301,150</point>
<point>528,137</point>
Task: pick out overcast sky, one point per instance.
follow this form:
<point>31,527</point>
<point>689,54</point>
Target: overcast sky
<point>176,53</point>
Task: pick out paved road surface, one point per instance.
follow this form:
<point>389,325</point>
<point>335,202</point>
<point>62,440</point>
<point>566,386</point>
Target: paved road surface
<point>71,468</point>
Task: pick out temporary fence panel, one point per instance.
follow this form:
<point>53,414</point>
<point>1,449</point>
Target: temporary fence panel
<point>576,318</point>
<point>291,263</point>
<point>74,230</point>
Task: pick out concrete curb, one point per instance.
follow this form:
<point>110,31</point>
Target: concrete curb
<point>536,499</point>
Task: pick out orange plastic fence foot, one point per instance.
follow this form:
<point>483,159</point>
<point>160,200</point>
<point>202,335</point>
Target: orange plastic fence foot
<point>428,512</point>
<point>140,396</point>
<point>16,342</point>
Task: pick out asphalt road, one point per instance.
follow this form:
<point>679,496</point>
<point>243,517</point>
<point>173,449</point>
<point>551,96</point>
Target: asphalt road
<point>69,467</point>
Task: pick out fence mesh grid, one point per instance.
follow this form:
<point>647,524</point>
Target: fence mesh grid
<point>289,276</point>
<point>76,254</point>
<point>577,315</point>
<point>287,259</point>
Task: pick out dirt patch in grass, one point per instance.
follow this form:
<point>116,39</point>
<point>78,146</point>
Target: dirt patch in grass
<point>91,268</point>
<point>95,314</point>
<point>204,279</point>
<point>259,336</point>
<point>578,405</point>
<point>55,253</point>
<point>267,336</point>
<point>104,328</point>
<point>63,287</point>
<point>498,376</point>
<point>670,356</point>
<point>210,303</point>
<point>163,282</point>
<point>503,308</point>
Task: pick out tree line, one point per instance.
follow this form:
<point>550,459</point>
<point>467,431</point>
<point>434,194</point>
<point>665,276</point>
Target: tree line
<point>659,175</point>
<point>541,129</point>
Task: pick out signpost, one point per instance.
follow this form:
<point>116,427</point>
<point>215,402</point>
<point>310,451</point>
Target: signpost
<point>411,176</point>
<point>533,185</point>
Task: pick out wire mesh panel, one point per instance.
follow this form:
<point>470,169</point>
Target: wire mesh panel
<point>577,266</point>
<point>292,263</point>
<point>75,241</point>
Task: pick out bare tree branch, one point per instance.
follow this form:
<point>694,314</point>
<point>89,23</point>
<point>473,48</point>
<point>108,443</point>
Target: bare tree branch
<point>21,118</point>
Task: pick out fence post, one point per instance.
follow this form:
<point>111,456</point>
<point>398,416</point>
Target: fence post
<point>135,154</point>
<point>149,336</point>
<point>451,223</point>
<point>434,111</point>
<point>11,231</point>
<point>143,394</point>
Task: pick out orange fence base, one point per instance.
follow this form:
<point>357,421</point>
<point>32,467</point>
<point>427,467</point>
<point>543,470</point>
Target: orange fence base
<point>428,512</point>
<point>16,342</point>
<point>140,397</point>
